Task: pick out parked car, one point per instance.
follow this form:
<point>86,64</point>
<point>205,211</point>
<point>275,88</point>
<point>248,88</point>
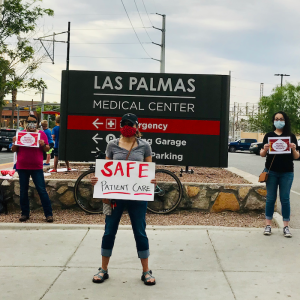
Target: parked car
<point>242,145</point>
<point>255,148</point>
<point>6,137</point>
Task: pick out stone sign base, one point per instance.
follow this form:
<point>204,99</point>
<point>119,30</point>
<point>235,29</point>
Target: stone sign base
<point>202,196</point>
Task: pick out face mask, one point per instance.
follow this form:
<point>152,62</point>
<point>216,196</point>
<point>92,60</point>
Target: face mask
<point>279,124</point>
<point>128,131</point>
<point>31,126</point>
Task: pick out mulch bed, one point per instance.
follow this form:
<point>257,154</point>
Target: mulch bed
<point>228,219</point>
<point>203,175</point>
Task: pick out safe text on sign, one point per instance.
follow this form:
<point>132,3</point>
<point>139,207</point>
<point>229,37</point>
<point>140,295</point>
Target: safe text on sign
<point>124,180</point>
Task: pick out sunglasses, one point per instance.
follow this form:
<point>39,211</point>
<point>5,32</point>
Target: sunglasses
<point>123,123</point>
<point>31,121</point>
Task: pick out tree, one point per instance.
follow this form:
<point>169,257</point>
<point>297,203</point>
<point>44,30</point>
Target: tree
<point>285,98</point>
<point>18,56</point>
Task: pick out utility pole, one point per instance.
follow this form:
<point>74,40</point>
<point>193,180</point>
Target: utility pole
<point>261,91</point>
<point>43,101</point>
<point>163,43</point>
<point>68,46</point>
<point>18,116</point>
<point>281,75</point>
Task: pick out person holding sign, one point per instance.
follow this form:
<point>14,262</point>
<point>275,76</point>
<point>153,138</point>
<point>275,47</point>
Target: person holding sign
<point>280,149</point>
<point>30,163</point>
<point>128,147</point>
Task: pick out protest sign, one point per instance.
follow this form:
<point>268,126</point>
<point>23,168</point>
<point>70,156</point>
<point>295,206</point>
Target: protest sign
<point>124,180</point>
<point>28,139</point>
<point>279,145</point>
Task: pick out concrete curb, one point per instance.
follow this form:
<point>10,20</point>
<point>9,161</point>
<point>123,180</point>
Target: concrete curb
<point>252,178</point>
<point>278,219</point>
<point>41,226</point>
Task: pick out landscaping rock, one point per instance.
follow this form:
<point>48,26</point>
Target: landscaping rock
<point>192,191</point>
<point>31,183</point>
<point>62,189</point>
<point>225,201</point>
<point>53,183</point>
<point>201,203</point>
<point>5,183</point>
<point>262,192</point>
<point>214,197</point>
<point>71,183</point>
<point>17,188</point>
<point>253,203</point>
<point>243,192</point>
<point>67,198</point>
<point>230,187</point>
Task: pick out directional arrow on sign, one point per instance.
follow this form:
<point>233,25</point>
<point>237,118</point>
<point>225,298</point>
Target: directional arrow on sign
<point>97,150</point>
<point>95,138</point>
<point>95,123</point>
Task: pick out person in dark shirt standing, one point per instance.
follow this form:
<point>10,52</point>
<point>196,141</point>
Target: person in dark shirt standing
<point>55,136</point>
<point>281,172</point>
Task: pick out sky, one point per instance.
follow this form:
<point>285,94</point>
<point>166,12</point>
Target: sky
<point>253,39</point>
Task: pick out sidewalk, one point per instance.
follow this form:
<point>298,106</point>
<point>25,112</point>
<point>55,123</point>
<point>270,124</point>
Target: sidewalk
<point>191,262</point>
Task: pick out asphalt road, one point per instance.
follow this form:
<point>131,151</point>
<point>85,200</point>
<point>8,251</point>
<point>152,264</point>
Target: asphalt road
<point>6,157</point>
<point>254,165</point>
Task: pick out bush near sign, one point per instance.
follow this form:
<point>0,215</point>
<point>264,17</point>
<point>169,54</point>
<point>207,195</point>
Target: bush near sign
<point>184,117</point>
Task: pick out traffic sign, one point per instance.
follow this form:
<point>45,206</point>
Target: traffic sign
<point>184,117</point>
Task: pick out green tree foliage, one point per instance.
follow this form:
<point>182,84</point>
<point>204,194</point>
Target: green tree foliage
<point>285,98</point>
<point>18,56</point>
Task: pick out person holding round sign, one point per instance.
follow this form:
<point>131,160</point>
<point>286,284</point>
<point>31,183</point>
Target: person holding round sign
<point>280,149</point>
<point>130,147</point>
<point>30,145</point>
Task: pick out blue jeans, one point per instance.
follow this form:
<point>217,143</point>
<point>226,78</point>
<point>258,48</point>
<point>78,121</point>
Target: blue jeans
<point>38,179</point>
<point>284,181</point>
<point>137,213</point>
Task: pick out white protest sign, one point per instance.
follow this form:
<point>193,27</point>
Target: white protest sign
<point>124,180</point>
<point>279,145</point>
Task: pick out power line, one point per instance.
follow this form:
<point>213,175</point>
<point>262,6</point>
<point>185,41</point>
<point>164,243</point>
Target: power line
<point>109,57</point>
<point>134,29</point>
<point>108,28</point>
<point>112,43</point>
<point>142,21</point>
<point>147,12</point>
<point>49,74</point>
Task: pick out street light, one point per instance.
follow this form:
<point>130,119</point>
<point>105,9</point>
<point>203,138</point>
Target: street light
<point>281,76</point>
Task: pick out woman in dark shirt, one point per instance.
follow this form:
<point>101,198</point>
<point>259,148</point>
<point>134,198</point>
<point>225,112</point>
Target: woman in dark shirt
<point>281,172</point>
<point>141,151</point>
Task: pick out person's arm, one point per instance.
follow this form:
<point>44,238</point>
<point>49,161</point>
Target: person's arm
<point>14,147</point>
<point>265,149</point>
<point>94,180</point>
<point>293,147</point>
<point>149,159</point>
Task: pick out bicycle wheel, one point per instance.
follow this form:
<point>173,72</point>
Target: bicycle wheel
<point>83,194</point>
<point>168,192</point>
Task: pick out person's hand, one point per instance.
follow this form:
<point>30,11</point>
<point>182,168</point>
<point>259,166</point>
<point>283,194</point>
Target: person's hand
<point>153,181</point>
<point>292,146</point>
<point>94,180</point>
<point>106,201</point>
<point>14,139</point>
<point>42,143</point>
<point>266,147</point>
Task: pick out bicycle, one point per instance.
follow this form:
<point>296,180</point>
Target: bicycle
<point>167,195</point>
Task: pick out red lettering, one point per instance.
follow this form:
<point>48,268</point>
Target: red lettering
<point>109,174</point>
<point>143,170</point>
<point>119,168</point>
<point>128,168</point>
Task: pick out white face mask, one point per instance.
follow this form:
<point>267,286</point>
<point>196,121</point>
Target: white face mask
<point>31,125</point>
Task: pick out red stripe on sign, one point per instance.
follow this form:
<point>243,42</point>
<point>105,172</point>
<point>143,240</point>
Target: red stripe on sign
<point>116,193</point>
<point>179,126</point>
<point>142,194</point>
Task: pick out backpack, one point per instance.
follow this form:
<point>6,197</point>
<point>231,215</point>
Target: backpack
<point>3,203</point>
